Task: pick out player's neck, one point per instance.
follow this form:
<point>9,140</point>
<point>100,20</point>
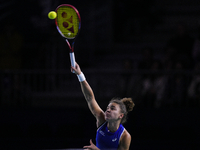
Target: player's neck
<point>113,126</point>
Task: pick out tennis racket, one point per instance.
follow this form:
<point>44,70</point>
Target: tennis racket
<point>68,23</point>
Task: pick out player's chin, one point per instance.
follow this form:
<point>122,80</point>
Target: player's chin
<point>107,118</point>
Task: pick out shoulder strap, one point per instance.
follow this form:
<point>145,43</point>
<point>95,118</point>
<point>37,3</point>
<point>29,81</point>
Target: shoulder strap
<point>101,126</point>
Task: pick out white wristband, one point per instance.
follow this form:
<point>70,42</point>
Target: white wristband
<point>81,77</point>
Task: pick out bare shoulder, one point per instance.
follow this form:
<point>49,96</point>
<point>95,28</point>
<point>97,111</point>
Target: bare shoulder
<point>126,135</point>
<point>125,140</point>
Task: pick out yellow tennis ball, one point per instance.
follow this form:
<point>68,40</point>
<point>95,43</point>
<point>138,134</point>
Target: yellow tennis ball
<point>52,15</point>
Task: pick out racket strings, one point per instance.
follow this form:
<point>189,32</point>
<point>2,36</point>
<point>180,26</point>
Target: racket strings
<point>68,22</point>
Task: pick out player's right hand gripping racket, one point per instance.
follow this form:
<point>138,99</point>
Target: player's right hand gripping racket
<point>68,23</point>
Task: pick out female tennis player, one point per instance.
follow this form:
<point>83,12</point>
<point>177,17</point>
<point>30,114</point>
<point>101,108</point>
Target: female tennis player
<point>110,132</point>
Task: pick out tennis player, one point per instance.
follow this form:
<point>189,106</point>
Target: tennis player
<point>110,132</point>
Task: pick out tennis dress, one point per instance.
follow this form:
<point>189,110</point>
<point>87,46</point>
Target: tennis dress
<point>106,139</point>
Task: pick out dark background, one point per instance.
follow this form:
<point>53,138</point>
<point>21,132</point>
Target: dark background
<point>125,49</point>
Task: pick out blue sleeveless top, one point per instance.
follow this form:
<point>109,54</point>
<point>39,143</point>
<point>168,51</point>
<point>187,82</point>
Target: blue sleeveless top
<point>106,139</point>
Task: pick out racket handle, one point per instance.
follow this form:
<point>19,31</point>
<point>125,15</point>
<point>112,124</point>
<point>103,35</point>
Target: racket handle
<point>72,59</point>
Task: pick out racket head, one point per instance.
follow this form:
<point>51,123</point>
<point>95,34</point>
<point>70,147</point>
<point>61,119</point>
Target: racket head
<point>68,21</point>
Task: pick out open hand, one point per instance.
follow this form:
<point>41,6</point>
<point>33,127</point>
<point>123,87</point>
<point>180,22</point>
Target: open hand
<point>91,146</point>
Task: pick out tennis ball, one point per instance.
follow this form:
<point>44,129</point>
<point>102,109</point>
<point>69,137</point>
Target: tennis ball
<point>52,15</point>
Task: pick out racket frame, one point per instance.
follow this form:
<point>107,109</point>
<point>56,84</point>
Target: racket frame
<point>70,41</point>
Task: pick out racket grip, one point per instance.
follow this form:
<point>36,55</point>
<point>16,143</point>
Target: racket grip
<point>72,59</point>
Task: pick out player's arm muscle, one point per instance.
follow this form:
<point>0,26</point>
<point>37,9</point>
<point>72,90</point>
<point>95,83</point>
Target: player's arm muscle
<point>92,104</point>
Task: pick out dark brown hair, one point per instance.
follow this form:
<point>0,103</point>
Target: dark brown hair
<point>126,105</point>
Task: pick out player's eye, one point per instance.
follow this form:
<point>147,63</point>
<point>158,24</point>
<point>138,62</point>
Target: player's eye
<point>112,108</point>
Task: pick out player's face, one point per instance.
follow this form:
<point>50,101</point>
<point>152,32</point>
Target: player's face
<point>113,112</point>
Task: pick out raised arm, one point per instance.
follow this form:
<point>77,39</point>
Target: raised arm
<point>89,96</point>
